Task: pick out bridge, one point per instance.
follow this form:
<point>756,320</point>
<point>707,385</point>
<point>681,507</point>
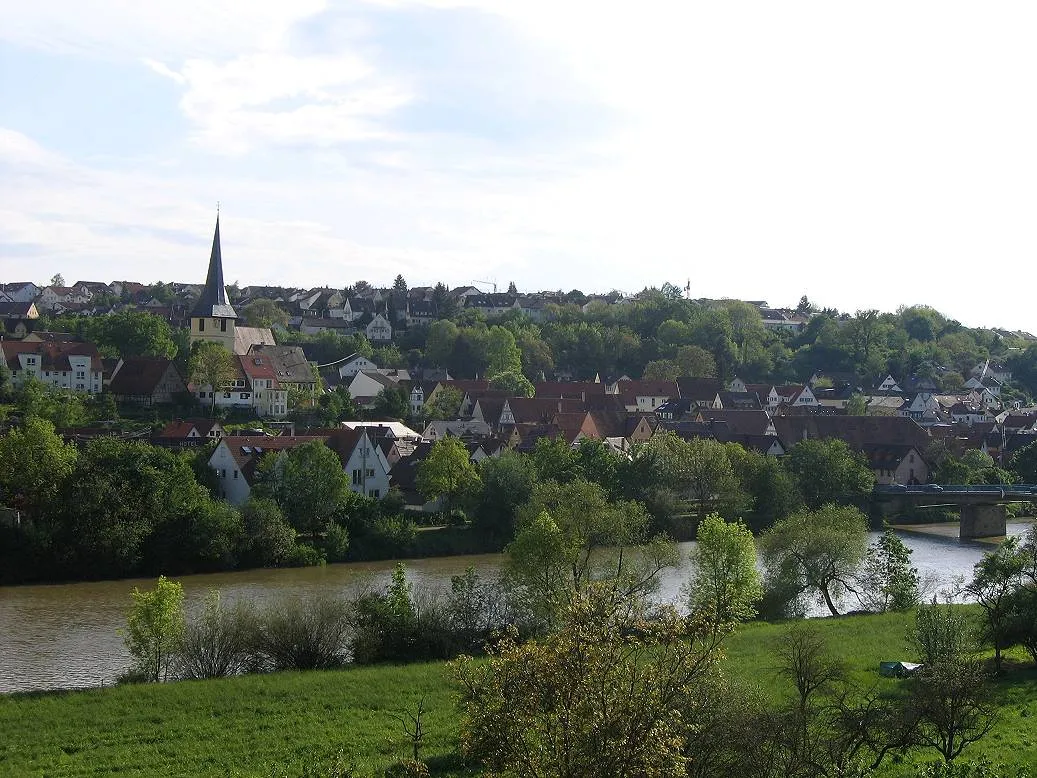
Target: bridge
<point>981,505</point>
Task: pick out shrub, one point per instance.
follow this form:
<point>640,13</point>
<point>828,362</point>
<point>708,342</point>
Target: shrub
<point>305,634</point>
<point>221,642</point>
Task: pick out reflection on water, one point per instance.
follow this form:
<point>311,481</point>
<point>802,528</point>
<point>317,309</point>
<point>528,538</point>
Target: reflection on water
<point>67,635</point>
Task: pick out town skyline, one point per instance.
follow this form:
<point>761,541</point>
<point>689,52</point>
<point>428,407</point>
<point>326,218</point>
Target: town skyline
<point>865,157</point>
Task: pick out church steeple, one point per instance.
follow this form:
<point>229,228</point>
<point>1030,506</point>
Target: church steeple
<point>213,318</point>
<point>213,302</point>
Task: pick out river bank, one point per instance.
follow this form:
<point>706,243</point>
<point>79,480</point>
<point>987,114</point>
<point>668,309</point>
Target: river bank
<point>62,636</point>
<point>265,725</point>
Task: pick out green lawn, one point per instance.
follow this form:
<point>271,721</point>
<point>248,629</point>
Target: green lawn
<point>262,725</point>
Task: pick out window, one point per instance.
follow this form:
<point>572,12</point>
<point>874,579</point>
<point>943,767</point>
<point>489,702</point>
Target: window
<point>201,325</point>
<point>374,493</point>
<point>201,395</point>
<point>80,374</point>
<point>223,325</point>
<point>243,395</point>
<point>235,475</point>
<point>370,472</point>
<point>226,395</point>
<point>357,477</point>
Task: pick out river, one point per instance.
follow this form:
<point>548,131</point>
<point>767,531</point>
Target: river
<point>68,635</point>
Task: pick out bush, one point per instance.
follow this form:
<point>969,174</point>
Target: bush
<point>305,634</point>
<point>222,642</point>
<point>305,555</point>
<point>385,625</point>
<point>269,540</point>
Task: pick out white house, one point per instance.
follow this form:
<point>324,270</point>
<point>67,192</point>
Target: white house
<point>363,461</point>
<point>71,365</point>
<point>379,330</point>
<point>354,365</point>
<point>889,384</point>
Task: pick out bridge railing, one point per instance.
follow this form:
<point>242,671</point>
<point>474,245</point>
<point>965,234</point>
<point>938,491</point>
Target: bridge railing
<point>1003,489</point>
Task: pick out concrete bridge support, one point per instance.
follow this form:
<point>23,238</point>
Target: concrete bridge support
<point>982,521</point>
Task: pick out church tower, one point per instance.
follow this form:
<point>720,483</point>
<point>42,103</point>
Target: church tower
<point>213,318</point>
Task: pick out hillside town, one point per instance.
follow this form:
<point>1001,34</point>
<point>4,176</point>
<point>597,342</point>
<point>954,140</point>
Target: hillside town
<point>893,420</point>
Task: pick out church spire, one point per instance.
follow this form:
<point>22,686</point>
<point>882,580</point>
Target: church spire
<point>213,302</point>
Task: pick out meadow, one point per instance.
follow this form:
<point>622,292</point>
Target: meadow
<point>284,723</point>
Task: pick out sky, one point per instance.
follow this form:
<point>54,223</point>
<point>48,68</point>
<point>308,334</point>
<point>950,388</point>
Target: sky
<point>867,155</point>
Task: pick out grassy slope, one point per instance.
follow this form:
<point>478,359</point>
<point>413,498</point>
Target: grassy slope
<point>248,726</point>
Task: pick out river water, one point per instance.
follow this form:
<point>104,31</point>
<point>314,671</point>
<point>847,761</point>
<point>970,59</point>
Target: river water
<point>68,635</point>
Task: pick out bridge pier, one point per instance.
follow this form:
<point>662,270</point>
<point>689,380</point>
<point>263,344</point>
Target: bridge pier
<point>982,521</point>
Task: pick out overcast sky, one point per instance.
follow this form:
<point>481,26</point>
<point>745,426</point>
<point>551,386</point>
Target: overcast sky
<point>867,155</point>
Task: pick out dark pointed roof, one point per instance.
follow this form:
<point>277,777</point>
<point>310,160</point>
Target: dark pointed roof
<point>213,301</point>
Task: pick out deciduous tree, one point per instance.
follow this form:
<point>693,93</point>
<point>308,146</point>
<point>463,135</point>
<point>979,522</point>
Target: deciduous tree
<point>724,580</point>
<point>447,472</point>
<point>211,365</point>
<point>602,696</point>
<point>816,551</point>
<point>154,628</point>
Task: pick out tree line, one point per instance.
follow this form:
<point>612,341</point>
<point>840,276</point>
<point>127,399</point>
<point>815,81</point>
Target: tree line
<point>592,676</point>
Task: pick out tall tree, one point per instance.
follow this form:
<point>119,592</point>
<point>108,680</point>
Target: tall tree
<point>724,582</point>
<point>211,365</point>
<point>308,484</point>
<point>154,627</point>
<point>447,472</point>
<point>503,355</point>
<point>828,471</point>
<point>602,696</point>
<point>570,535</point>
<point>816,551</point>
<point>34,465</point>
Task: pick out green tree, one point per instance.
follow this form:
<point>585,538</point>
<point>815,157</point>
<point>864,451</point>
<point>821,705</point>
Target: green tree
<point>856,405</point>
<point>129,507</point>
<point>696,362</point>
<point>211,365</point>
<point>724,582</point>
<point>392,403</point>
<point>445,404</point>
<point>448,473</point>
<point>34,466</point>
<point>308,484</point>
<point>827,471</point>
<point>502,353</point>
<point>132,333</point>
<point>512,382</point>
<point>996,579</point>
<point>264,313</point>
<point>154,627</point>
<point>507,483</point>
<point>269,540</point>
<point>886,580</point>
<point>570,535</point>
<point>602,696</point>
<point>661,370</point>
<point>439,346</point>
<point>1024,464</point>
<point>816,551</point>
<point>399,284</point>
<point>699,469</point>
<point>766,482</point>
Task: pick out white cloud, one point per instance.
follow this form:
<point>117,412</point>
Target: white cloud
<point>866,155</point>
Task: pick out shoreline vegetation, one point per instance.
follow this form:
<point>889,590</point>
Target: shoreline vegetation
<point>303,723</point>
<point>567,659</point>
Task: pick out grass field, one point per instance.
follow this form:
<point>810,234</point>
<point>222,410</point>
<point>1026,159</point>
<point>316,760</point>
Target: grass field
<point>274,724</point>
